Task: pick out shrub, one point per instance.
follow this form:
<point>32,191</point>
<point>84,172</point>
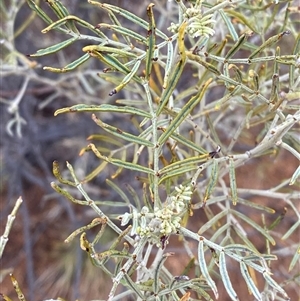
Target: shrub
<point>197,91</point>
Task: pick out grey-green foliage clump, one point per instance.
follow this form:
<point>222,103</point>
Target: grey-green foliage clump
<point>195,78</point>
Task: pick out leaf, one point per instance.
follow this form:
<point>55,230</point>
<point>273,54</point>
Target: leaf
<point>176,74</point>
<point>292,67</point>
<point>256,205</point>
<point>151,37</point>
<point>295,259</point>
<point>255,226</point>
<point>124,31</point>
<point>128,15</point>
<point>250,283</point>
<point>212,221</point>
<point>188,161</point>
<point>213,131</point>
<point>229,25</point>
<point>232,181</point>
<point>241,18</point>
<point>291,230</point>
<point>54,48</point>
<point>205,64</point>
<point>103,108</point>
<point>169,61</point>
<point>157,271</point>
<point>70,66</point>
<point>272,40</point>
<point>212,180</point>
<point>176,172</point>
<point>39,11</point>
<point>110,50</point>
<point>120,163</point>
<point>295,176</point>
<point>95,172</point>
<point>225,277</point>
<point>274,284</point>
<point>190,144</point>
<point>127,78</point>
<point>122,134</point>
<point>204,270</point>
<point>170,87</point>
<point>184,112</point>
<point>134,287</point>
<point>237,45</point>
<point>61,11</point>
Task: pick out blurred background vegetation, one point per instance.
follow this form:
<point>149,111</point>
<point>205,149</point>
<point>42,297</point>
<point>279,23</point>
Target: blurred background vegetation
<point>32,138</point>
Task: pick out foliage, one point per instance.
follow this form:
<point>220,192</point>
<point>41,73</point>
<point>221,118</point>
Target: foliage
<point>189,95</point>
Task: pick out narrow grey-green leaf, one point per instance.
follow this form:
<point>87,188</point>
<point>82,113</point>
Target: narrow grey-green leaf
<point>225,277</point>
<point>292,68</point>
<point>242,18</point>
<point>272,40</point>
<point>169,61</point>
<point>232,181</point>
<point>120,163</point>
<point>172,82</point>
<point>103,108</point>
<point>54,48</point>
<point>61,11</point>
<point>236,46</point>
<point>128,77</point>
<point>255,226</point>
<point>58,8</point>
<point>134,197</point>
<point>205,64</point>
<point>265,257</point>
<point>176,74</point>
<point>212,180</point>
<point>119,191</point>
<point>151,37</point>
<point>188,161</point>
<point>109,50</point>
<point>176,172</point>
<point>212,221</point>
<point>70,66</point>
<point>250,283</point>
<point>128,15</point>
<point>133,286</point>
<point>240,248</point>
<point>220,231</point>
<point>295,176</point>
<point>124,31</point>
<point>244,238</point>
<point>295,259</point>
<point>204,270</point>
<point>156,283</point>
<point>291,230</point>
<point>213,131</point>
<point>190,144</point>
<point>229,25</point>
<point>256,206</point>
<point>185,111</point>
<point>115,20</point>
<point>39,11</point>
<point>274,284</point>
